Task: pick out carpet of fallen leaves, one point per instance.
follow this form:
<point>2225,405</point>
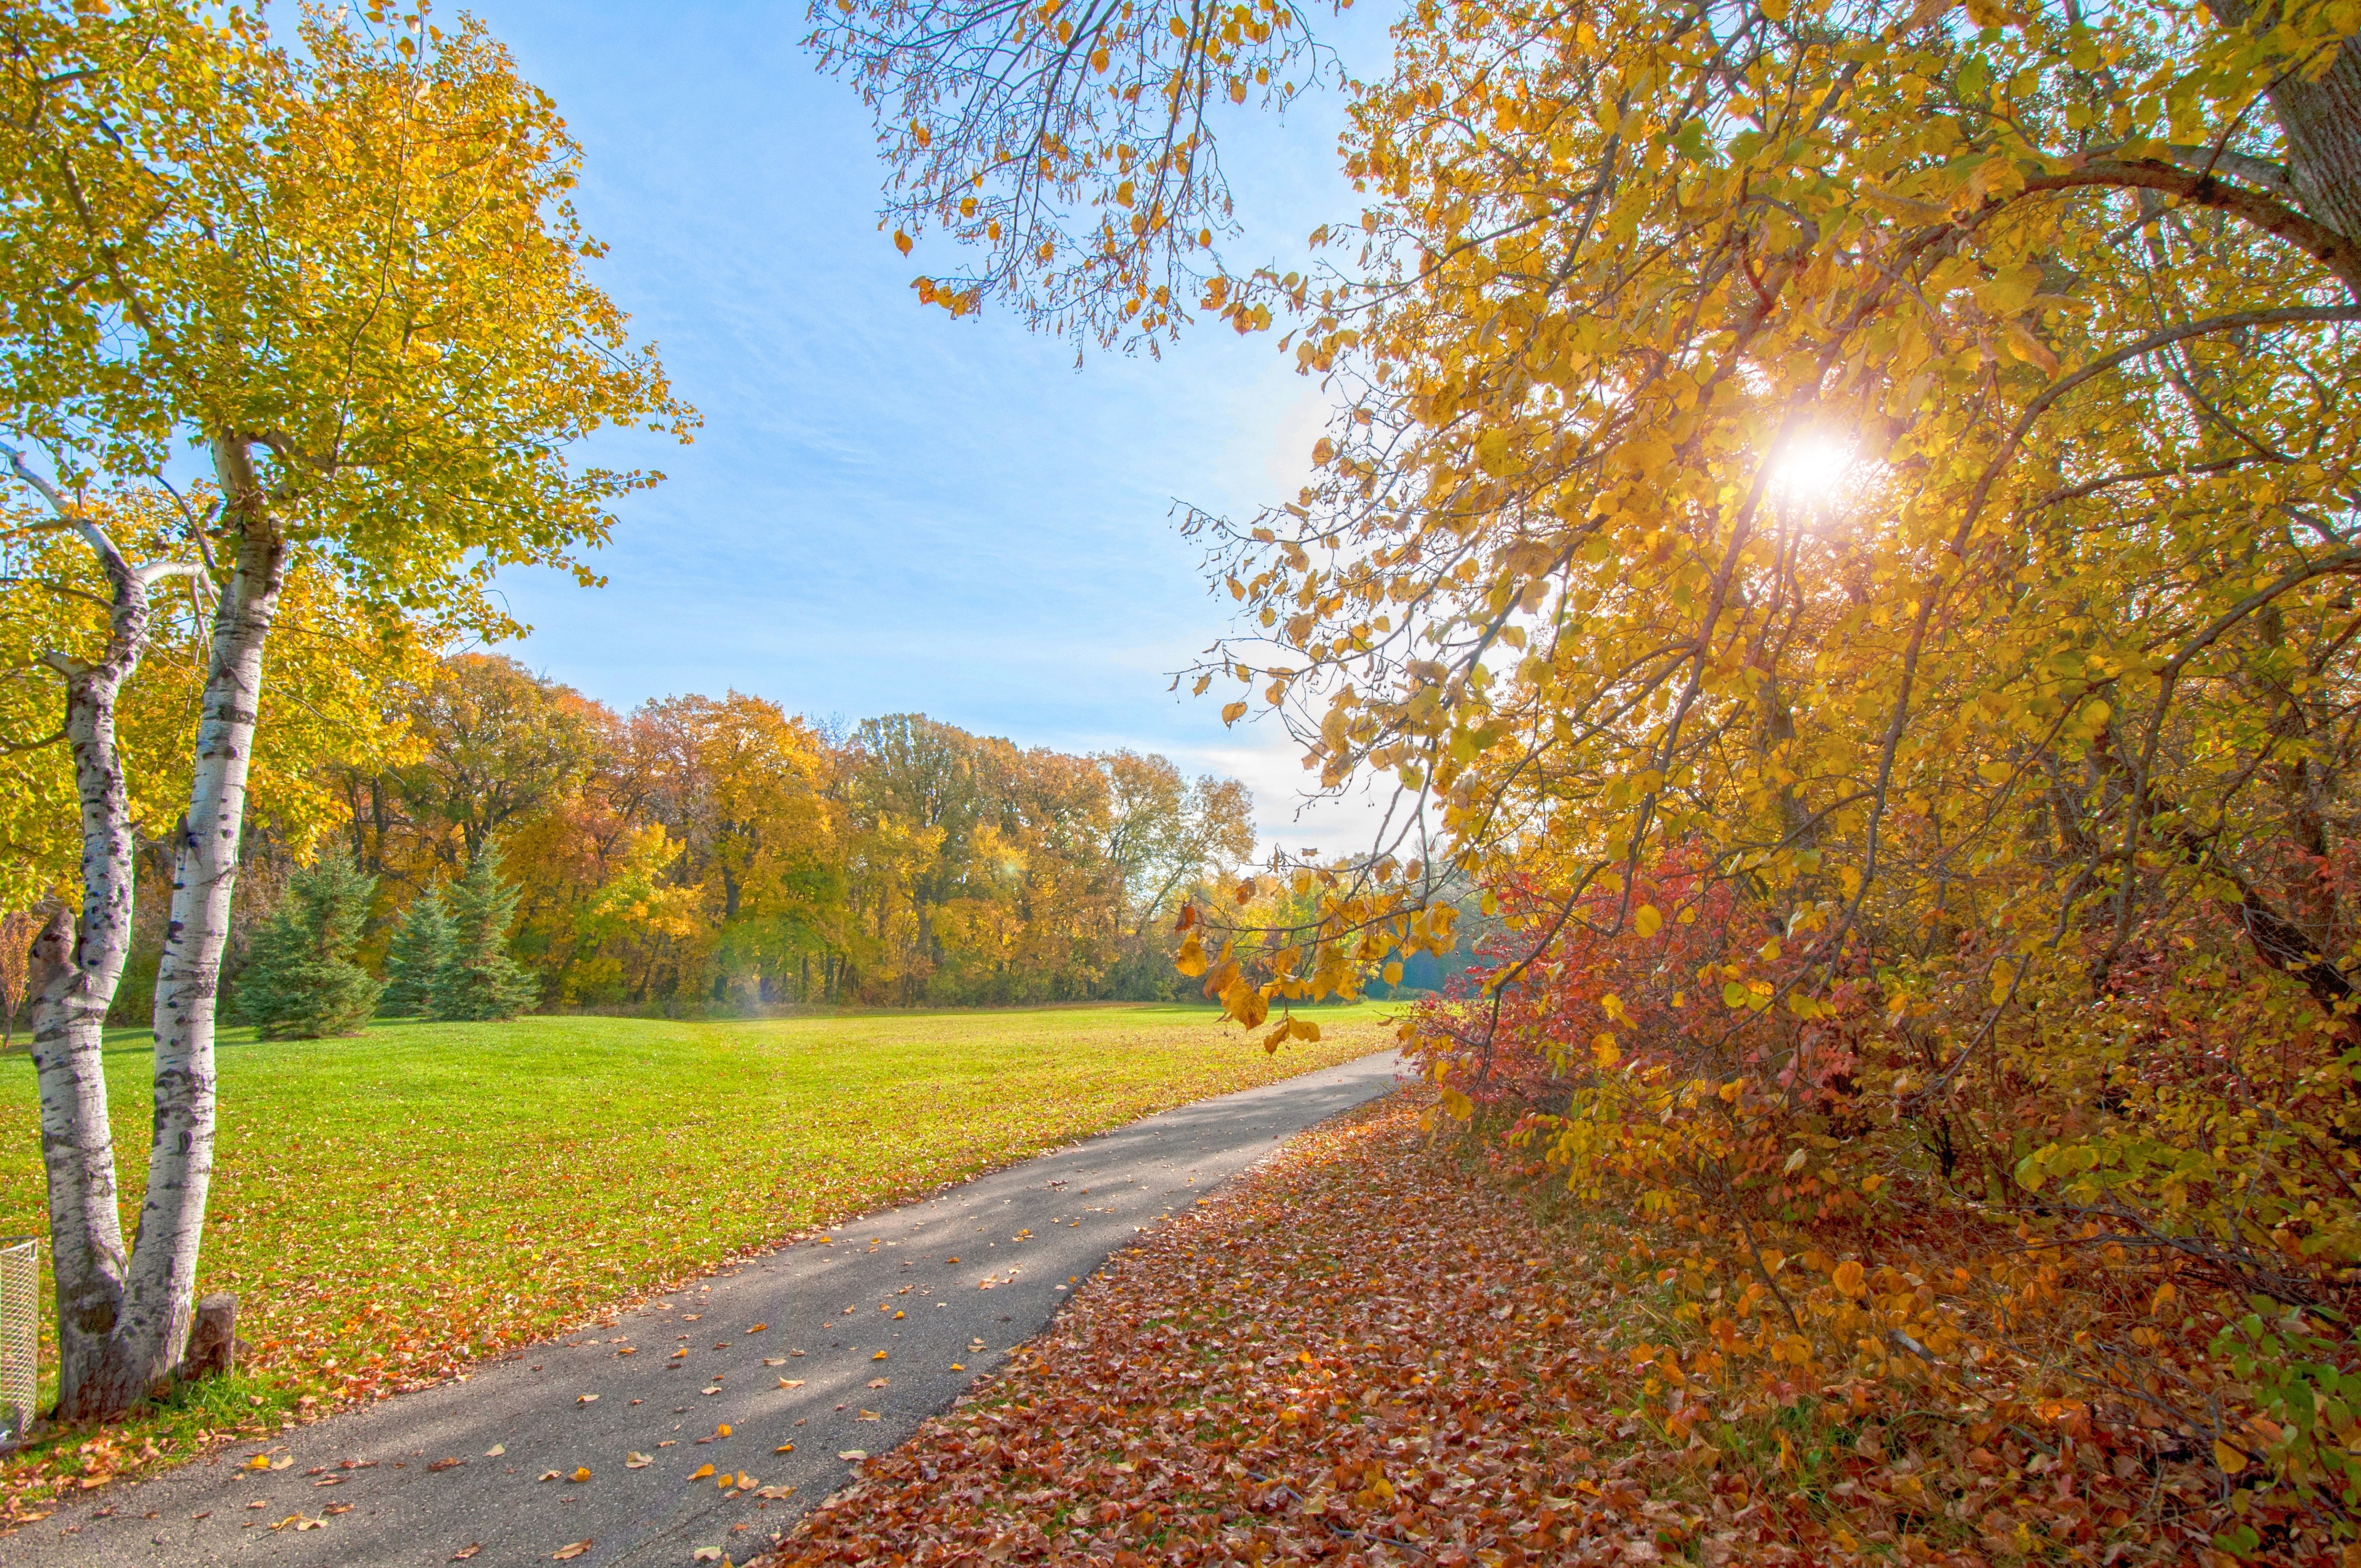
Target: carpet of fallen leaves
<point>1369,1350</point>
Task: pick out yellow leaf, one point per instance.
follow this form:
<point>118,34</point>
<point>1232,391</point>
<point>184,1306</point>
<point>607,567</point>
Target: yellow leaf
<point>700,1473</point>
<point>636,1461</point>
<point>1848,1279</point>
<point>581,1474</point>
<point>1648,920</point>
<point>1233,711</point>
<point>879,1357</point>
<point>2228,1458</point>
<point>1457,1105</point>
<point>901,242</point>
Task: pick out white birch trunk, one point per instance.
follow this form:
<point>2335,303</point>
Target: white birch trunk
<point>75,966</point>
<point>159,1289</point>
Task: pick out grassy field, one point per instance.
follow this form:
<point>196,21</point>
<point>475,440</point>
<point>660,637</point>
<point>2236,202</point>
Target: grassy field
<point>388,1206</point>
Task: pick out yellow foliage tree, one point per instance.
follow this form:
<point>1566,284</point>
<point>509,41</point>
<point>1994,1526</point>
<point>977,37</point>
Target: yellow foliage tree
<point>346,274</point>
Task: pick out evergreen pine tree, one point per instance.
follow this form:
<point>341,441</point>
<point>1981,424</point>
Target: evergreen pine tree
<point>300,981</point>
<point>479,980</point>
<point>421,946</point>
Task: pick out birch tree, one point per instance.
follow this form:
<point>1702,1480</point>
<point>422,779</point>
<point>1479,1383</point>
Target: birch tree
<point>344,282</point>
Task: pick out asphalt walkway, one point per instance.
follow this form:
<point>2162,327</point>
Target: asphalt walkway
<point>809,1356</point>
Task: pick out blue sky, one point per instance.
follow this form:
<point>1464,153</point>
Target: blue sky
<point>887,510</point>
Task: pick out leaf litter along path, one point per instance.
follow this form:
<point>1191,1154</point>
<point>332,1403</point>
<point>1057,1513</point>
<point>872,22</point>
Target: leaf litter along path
<point>1360,1353</point>
<point>889,1328</point>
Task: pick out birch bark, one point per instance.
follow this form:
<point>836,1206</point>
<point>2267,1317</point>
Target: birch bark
<point>77,961</point>
<point>159,1288</point>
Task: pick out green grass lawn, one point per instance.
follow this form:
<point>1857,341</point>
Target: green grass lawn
<point>386,1207</point>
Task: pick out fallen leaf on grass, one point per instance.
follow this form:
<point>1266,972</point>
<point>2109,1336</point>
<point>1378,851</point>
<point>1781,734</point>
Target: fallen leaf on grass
<point>636,1461</point>
<point>466,1551</point>
<point>567,1553</point>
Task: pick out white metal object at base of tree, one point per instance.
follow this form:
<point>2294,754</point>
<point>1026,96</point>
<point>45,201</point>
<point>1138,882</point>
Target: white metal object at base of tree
<point>20,1336</point>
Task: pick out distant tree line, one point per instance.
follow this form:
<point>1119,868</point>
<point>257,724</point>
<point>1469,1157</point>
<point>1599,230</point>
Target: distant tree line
<point>701,853</point>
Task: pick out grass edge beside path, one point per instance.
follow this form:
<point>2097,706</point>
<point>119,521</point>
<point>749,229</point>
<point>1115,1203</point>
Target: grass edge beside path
<point>395,1208</point>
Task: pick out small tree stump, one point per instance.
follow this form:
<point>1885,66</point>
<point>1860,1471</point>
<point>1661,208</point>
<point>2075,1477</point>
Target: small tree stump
<point>212,1341</point>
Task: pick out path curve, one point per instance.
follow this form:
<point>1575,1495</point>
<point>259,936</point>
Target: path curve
<point>882,1299</point>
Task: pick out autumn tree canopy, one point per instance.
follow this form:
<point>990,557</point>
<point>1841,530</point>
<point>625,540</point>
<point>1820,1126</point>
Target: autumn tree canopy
<point>1841,524</point>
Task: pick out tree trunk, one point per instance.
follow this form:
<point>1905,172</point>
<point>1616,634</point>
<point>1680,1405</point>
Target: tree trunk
<point>160,1290</point>
<point>2321,120</point>
<point>75,965</point>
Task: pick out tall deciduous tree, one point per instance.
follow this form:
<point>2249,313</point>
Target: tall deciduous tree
<point>345,275</point>
<point>1874,480</point>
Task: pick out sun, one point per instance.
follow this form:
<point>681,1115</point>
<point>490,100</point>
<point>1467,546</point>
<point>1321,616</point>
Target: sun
<point>1813,470</point>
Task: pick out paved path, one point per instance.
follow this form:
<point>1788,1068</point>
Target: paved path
<point>784,1350</point>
